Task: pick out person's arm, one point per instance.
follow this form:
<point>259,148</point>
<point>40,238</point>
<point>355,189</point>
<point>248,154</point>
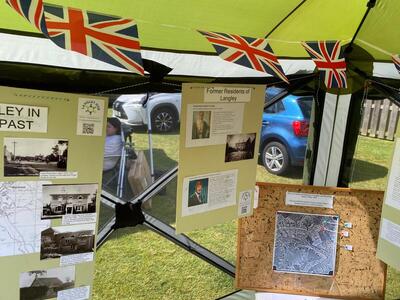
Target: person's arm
<point>113,146</point>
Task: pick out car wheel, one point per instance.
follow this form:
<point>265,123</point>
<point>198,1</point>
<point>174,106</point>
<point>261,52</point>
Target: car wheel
<point>275,158</point>
<point>163,120</point>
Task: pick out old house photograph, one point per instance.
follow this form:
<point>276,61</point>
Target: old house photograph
<point>45,284</point>
<point>67,199</point>
<point>240,147</point>
<point>66,240</point>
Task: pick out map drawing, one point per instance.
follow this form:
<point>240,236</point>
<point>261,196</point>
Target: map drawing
<point>20,217</point>
<point>305,243</point>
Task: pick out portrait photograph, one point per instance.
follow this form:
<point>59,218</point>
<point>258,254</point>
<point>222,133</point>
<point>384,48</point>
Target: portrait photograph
<point>201,125</point>
<point>198,192</point>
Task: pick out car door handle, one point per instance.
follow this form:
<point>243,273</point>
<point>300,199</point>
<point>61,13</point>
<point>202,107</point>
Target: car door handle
<point>266,122</point>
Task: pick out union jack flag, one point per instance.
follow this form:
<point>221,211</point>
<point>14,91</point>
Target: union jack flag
<point>32,10</point>
<point>254,53</point>
<point>396,61</point>
<point>329,61</point>
<point>110,39</point>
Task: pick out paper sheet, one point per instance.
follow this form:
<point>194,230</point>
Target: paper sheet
<point>21,118</point>
<point>310,200</point>
<point>79,293</point>
<point>209,124</point>
<point>390,232</point>
<point>209,192</point>
<point>20,211</point>
<point>393,188</point>
<point>90,117</point>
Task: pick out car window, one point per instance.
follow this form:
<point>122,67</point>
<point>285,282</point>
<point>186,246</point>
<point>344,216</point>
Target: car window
<point>275,108</point>
<point>305,104</point>
<point>279,106</point>
<point>270,109</point>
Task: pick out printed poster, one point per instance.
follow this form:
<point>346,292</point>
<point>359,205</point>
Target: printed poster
<point>389,235</point>
<point>20,224</point>
<point>209,191</point>
<point>218,154</point>
<point>50,174</point>
<point>90,116</point>
<point>31,118</point>
<point>209,124</point>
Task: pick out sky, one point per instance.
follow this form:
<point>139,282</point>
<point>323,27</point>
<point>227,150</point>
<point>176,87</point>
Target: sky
<point>25,279</point>
<point>31,147</point>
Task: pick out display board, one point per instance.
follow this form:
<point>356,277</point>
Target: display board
<point>218,153</point>
<point>298,233</point>
<point>389,236</point>
<point>50,184</point>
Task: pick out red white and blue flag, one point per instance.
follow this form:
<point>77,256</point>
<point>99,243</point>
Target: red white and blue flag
<point>254,53</point>
<point>396,61</point>
<point>110,39</point>
<point>32,10</point>
<point>329,61</point>
<point>113,40</point>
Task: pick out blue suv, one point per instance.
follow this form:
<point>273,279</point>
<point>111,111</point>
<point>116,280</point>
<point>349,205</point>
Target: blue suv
<point>284,131</point>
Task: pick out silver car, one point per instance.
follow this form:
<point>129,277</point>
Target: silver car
<point>164,109</point>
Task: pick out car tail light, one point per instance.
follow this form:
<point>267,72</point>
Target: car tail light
<point>300,128</point>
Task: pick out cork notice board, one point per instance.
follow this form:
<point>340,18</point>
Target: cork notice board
<point>358,273</point>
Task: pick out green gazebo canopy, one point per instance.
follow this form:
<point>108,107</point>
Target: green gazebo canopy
<point>171,24</point>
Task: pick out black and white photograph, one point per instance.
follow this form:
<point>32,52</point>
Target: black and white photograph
<point>29,157</point>
<point>240,147</point>
<point>305,243</point>
<point>66,240</point>
<point>68,199</point>
<point>201,125</point>
<point>45,284</point>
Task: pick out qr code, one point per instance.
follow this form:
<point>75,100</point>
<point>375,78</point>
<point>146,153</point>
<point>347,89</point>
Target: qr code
<point>88,128</point>
<point>244,210</point>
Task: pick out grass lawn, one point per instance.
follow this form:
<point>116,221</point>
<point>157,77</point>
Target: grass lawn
<point>136,263</point>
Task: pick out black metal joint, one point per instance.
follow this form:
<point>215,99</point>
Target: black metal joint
<point>371,3</point>
<point>128,214</point>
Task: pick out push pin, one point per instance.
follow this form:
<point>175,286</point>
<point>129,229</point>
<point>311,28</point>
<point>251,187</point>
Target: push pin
<point>344,233</point>
<point>348,225</point>
<point>348,247</point>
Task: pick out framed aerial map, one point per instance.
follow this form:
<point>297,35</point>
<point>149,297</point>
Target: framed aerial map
<point>312,241</point>
<point>305,243</point>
